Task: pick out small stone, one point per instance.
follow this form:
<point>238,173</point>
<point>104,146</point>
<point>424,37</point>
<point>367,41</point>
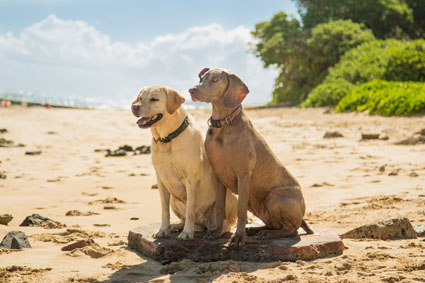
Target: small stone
<point>78,245</point>
<point>382,168</point>
<point>330,135</point>
<point>34,220</point>
<point>420,230</point>
<point>109,207</point>
<point>393,173</point>
<point>300,262</point>
<point>398,228</point>
<point>290,277</point>
<point>370,137</point>
<point>37,152</point>
<point>413,174</point>
<point>115,153</point>
<point>3,176</point>
<point>134,218</point>
<point>154,187</point>
<point>5,219</point>
<point>3,130</point>
<point>15,240</point>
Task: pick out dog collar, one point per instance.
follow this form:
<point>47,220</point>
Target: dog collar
<point>226,120</point>
<point>174,134</point>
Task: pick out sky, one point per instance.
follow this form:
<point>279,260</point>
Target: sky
<point>107,51</point>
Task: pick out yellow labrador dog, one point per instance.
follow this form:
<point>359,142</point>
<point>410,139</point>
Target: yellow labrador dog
<point>186,180</point>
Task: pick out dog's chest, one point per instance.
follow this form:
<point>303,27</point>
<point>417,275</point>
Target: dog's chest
<point>219,158</point>
<point>169,170</point>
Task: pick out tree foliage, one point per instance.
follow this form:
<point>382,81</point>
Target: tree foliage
<point>386,98</point>
<point>386,18</point>
<point>381,59</point>
<point>303,60</point>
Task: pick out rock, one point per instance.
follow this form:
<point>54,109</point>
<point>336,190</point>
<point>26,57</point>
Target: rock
<point>382,168</point>
<point>154,187</point>
<point>38,220</point>
<point>420,230</point>
<point>9,143</point>
<point>303,247</point>
<point>3,130</point>
<point>3,176</point>
<point>34,220</point>
<point>398,228</point>
<point>37,152</point>
<point>78,245</point>
<point>421,132</point>
<point>394,172</point>
<point>330,135</point>
<point>144,149</point>
<point>370,136</point>
<point>5,218</point>
<point>134,218</point>
<point>15,240</point>
<point>79,213</point>
<point>126,148</point>
<point>413,174</point>
<point>115,153</point>
<point>414,140</point>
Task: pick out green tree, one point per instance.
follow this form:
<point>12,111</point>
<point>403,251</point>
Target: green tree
<point>392,60</point>
<point>386,18</point>
<point>303,58</point>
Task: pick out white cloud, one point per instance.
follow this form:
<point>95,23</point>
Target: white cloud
<point>71,58</point>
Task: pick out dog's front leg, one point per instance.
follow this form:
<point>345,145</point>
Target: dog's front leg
<point>164,195</point>
<point>189,225</point>
<point>244,183</point>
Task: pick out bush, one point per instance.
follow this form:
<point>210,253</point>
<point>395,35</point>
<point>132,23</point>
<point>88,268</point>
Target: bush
<point>386,98</point>
<point>384,59</point>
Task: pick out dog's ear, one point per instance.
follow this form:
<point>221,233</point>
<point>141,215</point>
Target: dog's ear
<point>236,91</point>
<point>201,73</point>
<point>174,100</point>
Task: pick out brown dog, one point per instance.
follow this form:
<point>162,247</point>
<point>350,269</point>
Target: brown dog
<point>245,164</point>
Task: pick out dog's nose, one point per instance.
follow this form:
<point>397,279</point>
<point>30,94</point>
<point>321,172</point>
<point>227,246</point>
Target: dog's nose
<point>193,90</point>
<point>135,107</point>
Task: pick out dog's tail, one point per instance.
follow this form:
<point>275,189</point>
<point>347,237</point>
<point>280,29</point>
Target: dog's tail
<point>306,228</point>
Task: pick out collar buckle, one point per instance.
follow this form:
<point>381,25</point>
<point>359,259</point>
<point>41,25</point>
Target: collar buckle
<point>228,120</point>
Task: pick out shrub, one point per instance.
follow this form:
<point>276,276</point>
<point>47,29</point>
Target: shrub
<point>386,98</point>
<point>384,59</point>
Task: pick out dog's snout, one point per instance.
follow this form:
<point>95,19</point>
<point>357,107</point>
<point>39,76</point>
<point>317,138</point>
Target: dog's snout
<point>193,90</point>
<point>135,107</point>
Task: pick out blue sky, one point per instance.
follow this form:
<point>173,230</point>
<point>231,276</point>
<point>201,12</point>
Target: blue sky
<point>103,49</point>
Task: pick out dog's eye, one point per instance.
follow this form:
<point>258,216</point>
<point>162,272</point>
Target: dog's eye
<point>154,99</point>
<point>215,80</point>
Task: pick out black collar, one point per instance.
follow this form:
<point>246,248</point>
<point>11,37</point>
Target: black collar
<point>226,120</point>
<point>174,134</point>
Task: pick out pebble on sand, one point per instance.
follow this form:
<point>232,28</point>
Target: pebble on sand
<point>5,218</point>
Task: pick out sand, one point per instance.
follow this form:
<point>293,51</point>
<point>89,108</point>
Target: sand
<point>346,183</point>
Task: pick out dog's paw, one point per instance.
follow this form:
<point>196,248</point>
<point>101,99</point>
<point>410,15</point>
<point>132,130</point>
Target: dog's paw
<point>185,235</point>
<point>238,239</point>
<point>162,233</point>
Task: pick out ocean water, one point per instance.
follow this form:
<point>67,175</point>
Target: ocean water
<point>79,102</point>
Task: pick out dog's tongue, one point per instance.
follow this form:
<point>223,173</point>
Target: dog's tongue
<point>142,121</point>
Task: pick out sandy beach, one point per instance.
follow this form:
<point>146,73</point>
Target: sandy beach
<point>346,183</point>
